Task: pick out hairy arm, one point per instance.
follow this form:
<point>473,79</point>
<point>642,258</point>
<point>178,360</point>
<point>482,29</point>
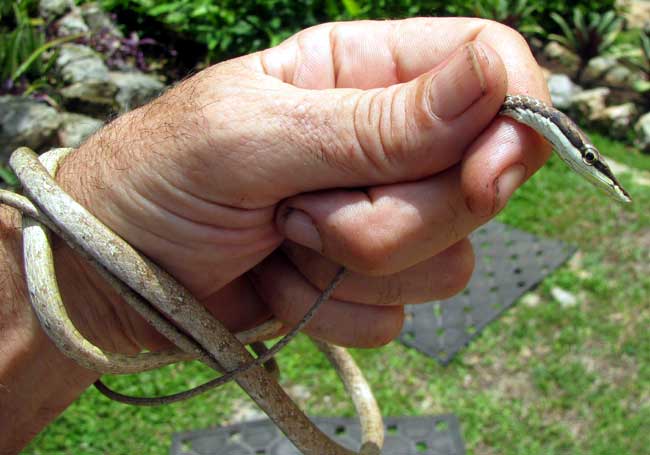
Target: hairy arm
<point>251,154</point>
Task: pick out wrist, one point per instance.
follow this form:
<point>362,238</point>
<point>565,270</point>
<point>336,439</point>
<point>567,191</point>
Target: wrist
<point>108,322</point>
<point>38,381</point>
<point>119,184</point>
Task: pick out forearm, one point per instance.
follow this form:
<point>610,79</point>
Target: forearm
<point>37,382</point>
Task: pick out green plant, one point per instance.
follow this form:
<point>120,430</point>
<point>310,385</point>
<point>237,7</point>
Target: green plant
<point>588,36</point>
<point>638,57</point>
<point>8,177</point>
<point>23,45</point>
<point>209,31</point>
<point>518,14</point>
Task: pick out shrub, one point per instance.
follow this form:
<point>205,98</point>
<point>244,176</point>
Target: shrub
<point>638,57</point>
<point>229,28</point>
<point>518,14</point>
<point>588,36</point>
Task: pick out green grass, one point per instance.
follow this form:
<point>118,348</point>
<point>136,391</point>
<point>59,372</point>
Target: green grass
<point>540,380</point>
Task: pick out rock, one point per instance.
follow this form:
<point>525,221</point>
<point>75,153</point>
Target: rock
<point>299,393</point>
<point>536,44</point>
<point>597,67</point>
<point>51,9</point>
<point>608,71</point>
<point>75,128</point>
<point>135,89</point>
<point>98,20</point>
<point>586,105</point>
<point>71,24</point>
<point>245,411</point>
<point>564,298</point>
<point>622,77</point>
<point>555,52</point>
<point>642,132</point>
<point>562,90</point>
<point>26,122</point>
<point>635,12</point>
<point>91,90</point>
<point>78,63</point>
<point>531,300</point>
<point>617,121</point>
<point>95,98</point>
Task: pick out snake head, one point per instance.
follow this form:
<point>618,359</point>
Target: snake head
<point>569,142</point>
<point>595,169</point>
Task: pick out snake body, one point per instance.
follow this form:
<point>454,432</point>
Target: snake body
<point>570,143</point>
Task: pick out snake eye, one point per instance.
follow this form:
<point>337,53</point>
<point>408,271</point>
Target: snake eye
<point>589,157</point>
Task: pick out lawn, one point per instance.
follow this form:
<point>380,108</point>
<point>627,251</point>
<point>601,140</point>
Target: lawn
<point>541,380</point>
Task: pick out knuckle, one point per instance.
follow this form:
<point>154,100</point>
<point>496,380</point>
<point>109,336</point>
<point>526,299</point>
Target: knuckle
<point>459,266</point>
<point>385,328</point>
<point>507,32</point>
<point>370,261</point>
<point>372,253</point>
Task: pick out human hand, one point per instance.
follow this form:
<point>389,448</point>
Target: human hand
<point>372,144</point>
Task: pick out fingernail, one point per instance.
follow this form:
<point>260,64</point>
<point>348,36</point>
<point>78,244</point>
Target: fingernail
<point>299,227</point>
<point>458,85</point>
<point>507,183</point>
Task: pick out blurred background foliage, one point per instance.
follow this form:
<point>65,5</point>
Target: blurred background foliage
<point>566,407</point>
<point>235,27</point>
<point>21,35</point>
<point>192,33</point>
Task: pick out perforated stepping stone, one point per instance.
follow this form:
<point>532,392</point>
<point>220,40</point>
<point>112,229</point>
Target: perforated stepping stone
<point>439,435</point>
<point>509,262</point>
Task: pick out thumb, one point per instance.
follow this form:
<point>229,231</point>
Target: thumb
<point>347,137</point>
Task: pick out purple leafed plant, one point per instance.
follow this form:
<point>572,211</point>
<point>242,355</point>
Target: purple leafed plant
<point>120,52</point>
<point>11,87</point>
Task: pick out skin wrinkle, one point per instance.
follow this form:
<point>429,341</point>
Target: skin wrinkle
<point>379,154</point>
<point>303,71</point>
<point>218,230</point>
<point>397,124</point>
<point>369,148</point>
<point>336,67</point>
<point>263,213</point>
<point>350,149</point>
<point>148,232</point>
<point>392,50</point>
<point>412,104</point>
